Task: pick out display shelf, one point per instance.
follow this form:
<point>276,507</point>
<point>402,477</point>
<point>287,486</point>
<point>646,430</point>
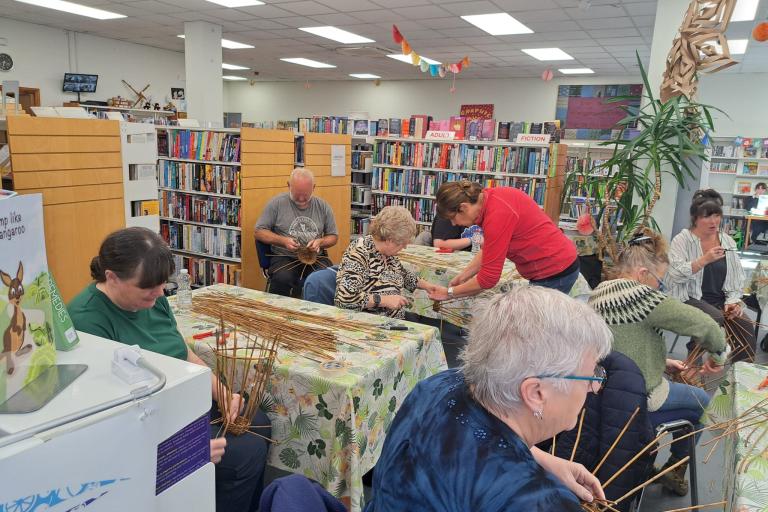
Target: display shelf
<point>205,255</point>
<point>205,224</point>
<point>466,142</point>
<point>198,129</point>
<point>402,194</point>
<point>189,160</point>
<point>460,171</point>
<point>198,193</point>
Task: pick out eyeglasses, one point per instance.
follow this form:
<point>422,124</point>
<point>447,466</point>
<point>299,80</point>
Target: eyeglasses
<point>661,283</point>
<point>596,382</point>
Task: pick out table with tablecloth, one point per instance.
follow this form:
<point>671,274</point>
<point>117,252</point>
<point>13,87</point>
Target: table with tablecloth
<point>442,267</point>
<point>745,471</point>
<point>330,425</point>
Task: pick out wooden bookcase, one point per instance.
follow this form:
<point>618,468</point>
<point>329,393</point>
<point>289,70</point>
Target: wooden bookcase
<point>267,158</point>
<point>549,173</point>
<point>77,166</point>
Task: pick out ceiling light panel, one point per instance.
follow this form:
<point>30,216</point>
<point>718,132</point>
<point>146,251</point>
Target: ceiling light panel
<point>745,10</point>
<point>547,54</point>
<point>407,58</point>
<point>236,3</point>
<point>301,61</point>
<point>364,76</point>
<point>576,71</point>
<point>73,8</point>
<point>336,34</point>
<point>498,24</point>
<point>234,78</point>
<point>233,67</point>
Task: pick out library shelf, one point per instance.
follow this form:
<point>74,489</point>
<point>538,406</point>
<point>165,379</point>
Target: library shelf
<point>189,160</point>
<point>204,224</point>
<point>460,171</point>
<point>205,255</point>
<point>198,192</point>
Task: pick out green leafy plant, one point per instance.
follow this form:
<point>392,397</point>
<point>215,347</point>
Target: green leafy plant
<point>669,140</point>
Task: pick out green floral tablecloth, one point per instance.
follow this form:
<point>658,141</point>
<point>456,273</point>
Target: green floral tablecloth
<point>759,283</point>
<point>331,426</point>
<point>746,453</point>
<point>449,265</point>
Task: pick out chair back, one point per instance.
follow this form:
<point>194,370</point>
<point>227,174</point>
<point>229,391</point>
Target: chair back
<point>297,493</point>
<point>263,250</point>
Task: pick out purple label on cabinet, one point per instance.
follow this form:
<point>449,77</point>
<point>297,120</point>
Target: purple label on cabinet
<point>183,453</point>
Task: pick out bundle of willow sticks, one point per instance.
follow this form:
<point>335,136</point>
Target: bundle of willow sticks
<point>310,335</point>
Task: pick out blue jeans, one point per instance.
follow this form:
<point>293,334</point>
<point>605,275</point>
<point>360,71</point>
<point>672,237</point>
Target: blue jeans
<point>562,283</point>
<point>684,402</point>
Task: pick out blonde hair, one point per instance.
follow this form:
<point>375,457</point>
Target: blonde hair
<point>646,249</point>
<point>451,195</point>
<point>394,224</point>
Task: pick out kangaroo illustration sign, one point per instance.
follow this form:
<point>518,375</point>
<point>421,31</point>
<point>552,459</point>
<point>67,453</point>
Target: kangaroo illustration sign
<point>30,327</point>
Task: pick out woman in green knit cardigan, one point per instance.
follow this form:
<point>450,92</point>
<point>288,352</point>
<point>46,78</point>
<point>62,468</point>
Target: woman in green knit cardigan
<point>637,311</point>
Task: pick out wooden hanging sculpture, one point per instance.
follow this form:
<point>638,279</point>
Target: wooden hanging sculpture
<point>700,46</point>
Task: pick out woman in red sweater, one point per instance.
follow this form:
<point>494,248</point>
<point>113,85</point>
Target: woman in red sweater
<point>515,228</point>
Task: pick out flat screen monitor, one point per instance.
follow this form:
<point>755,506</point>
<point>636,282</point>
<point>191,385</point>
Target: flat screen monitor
<point>79,82</point>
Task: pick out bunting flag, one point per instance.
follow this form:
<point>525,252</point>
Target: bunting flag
<point>425,67</point>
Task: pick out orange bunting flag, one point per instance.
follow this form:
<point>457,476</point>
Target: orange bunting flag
<point>455,68</point>
<point>405,47</point>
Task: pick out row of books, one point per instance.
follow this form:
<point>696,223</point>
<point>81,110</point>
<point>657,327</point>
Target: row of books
<point>211,210</point>
<point>724,167</point>
<point>298,150</point>
<point>217,179</point>
<point>733,225</point>
<point>205,272</point>
<point>362,158</point>
<point>423,210</point>
<point>469,157</point>
<point>361,179</point>
<point>359,226</point>
<point>142,171</point>
<point>464,128</point>
<point>272,125</point>
<point>361,195</point>
<point>199,145</point>
<point>586,165</point>
<point>324,124</point>
<point>726,150</point>
<point>754,169</point>
<point>214,242</point>
<point>145,207</point>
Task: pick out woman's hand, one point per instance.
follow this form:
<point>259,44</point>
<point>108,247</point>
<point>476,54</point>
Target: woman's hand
<point>439,293</point>
<point>714,254</point>
<point>732,311</point>
<point>217,449</point>
<point>393,301</point>
<point>236,405</point>
<point>709,367</point>
<point>574,476</point>
<point>674,366</point>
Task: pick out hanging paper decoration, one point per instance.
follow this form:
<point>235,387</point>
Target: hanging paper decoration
<point>585,224</point>
<point>547,75</point>
<point>434,69</point>
<point>760,32</point>
<point>738,141</point>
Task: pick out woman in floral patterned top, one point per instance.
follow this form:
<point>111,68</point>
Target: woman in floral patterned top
<point>370,277</point>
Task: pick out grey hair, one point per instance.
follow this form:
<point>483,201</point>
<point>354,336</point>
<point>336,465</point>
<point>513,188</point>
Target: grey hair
<point>301,172</point>
<point>394,224</point>
<point>528,331</point>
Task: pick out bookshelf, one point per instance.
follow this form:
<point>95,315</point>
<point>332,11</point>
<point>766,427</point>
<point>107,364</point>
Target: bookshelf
<point>409,171</point>
<point>199,201</point>
<point>734,170</point>
<point>76,164</point>
<point>157,117</point>
<point>138,144</point>
<point>360,186</point>
<point>268,157</point>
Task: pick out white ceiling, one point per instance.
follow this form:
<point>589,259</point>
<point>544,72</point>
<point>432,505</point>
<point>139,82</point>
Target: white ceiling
<point>603,37</point>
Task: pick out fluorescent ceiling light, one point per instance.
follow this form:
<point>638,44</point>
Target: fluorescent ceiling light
<point>236,3</point>
<point>735,46</point>
<point>233,78</point>
<point>72,8</point>
<point>548,54</point>
<point>364,75</point>
<point>336,34</point>
<point>498,24</point>
<point>407,58</point>
<point>301,61</point>
<point>231,45</point>
<point>576,71</point>
<point>745,10</point>
<point>233,67</point>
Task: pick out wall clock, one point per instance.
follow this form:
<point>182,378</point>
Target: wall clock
<point>6,62</point>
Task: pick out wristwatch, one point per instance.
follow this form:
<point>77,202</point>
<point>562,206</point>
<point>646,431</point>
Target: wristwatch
<point>376,299</point>
<point>450,292</point>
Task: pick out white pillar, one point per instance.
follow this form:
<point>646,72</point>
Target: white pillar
<point>202,59</point>
<point>669,17</point>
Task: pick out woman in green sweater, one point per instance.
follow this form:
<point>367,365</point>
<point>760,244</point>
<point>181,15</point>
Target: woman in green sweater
<point>125,303</point>
<point>636,311</point>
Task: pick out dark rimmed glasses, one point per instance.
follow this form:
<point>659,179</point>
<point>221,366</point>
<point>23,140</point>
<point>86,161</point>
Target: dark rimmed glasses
<point>596,382</point>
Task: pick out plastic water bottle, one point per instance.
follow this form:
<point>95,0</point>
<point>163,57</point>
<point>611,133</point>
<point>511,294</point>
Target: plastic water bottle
<point>184,292</point>
<point>477,240</point>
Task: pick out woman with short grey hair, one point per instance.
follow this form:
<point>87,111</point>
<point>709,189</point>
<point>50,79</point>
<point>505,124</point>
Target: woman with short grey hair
<point>370,277</point>
<point>465,438</point>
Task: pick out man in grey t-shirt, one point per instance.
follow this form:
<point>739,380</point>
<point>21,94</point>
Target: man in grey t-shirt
<point>291,220</point>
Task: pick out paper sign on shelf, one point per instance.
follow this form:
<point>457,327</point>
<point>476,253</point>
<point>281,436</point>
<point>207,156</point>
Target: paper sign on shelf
<point>440,135</point>
<point>338,160</point>
<point>533,138</point>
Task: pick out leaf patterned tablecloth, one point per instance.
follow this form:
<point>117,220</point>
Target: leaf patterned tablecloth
<point>759,283</point>
<point>331,427</point>
<point>449,265</point>
<point>746,453</point>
